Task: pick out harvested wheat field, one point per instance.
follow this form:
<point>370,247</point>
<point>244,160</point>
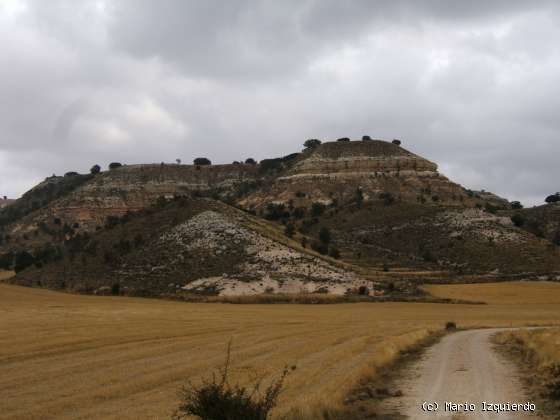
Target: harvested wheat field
<point>68,356</point>
<point>511,293</point>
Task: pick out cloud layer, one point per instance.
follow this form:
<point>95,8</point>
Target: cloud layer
<point>474,86</point>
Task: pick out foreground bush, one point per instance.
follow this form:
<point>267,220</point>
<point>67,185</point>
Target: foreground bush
<point>217,399</point>
<point>552,385</point>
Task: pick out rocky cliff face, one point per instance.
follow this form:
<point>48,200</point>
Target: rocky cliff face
<point>336,171</point>
<point>134,187</point>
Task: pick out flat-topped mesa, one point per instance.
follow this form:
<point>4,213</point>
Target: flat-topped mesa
<point>339,158</point>
<point>334,171</point>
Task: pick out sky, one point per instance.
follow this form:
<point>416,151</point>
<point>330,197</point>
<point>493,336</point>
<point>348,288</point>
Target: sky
<point>471,85</point>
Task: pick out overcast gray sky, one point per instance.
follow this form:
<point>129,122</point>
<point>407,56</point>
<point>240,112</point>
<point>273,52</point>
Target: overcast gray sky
<point>472,85</point>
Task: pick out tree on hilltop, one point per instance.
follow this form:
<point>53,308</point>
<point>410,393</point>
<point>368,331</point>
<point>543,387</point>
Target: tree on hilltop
<point>311,143</point>
<point>554,198</point>
<point>115,165</point>
<point>95,169</point>
<point>202,161</point>
<point>250,161</point>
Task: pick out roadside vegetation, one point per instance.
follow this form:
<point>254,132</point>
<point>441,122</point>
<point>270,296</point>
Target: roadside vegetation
<point>538,352</point>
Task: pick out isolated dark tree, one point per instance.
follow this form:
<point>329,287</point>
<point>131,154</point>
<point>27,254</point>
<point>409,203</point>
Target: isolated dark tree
<point>115,289</point>
<point>554,198</point>
<point>250,161</point>
<point>359,197</point>
<point>6,260</point>
<point>317,209</point>
<point>387,198</point>
<point>298,213</point>
<point>275,211</point>
<point>311,143</point>
<point>396,142</point>
<point>556,238</point>
<point>518,220</point>
<point>334,252</point>
<point>289,230</point>
<point>236,162</point>
<point>202,161</point>
<point>23,260</point>
<point>319,247</point>
<point>325,235</point>
<point>95,169</point>
<point>71,173</point>
<point>343,139</point>
<point>516,205</point>
<point>490,208</point>
<point>115,165</point>
<point>366,138</point>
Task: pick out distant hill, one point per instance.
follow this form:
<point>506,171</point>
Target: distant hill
<point>373,206</point>
<point>183,245</point>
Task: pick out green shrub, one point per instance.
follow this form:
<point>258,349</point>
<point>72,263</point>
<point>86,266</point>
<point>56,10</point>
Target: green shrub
<point>387,198</point>
<point>359,197</point>
<point>289,230</point>
<point>23,260</point>
<point>217,399</point>
<point>325,235</point>
<point>319,247</point>
<point>317,209</point>
<point>334,252</point>
<point>450,326</point>
<point>518,220</point>
<point>115,289</point>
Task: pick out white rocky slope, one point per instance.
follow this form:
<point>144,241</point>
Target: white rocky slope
<point>266,265</point>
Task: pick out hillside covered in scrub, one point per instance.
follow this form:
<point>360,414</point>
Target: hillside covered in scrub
<point>182,246</point>
<point>339,217</point>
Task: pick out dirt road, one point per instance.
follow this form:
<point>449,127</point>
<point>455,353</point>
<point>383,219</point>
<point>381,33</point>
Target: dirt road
<point>462,368</point>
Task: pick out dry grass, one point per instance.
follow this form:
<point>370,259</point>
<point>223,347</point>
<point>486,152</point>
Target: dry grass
<point>537,352</point>
<point>511,293</point>
<point>65,356</point>
<point>6,274</point>
<point>541,347</point>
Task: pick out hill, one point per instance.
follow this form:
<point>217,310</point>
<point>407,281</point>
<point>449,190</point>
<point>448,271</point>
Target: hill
<point>374,207</point>
<point>182,245</point>
<point>336,172</point>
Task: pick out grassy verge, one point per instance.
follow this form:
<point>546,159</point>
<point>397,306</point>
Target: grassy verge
<point>537,353</point>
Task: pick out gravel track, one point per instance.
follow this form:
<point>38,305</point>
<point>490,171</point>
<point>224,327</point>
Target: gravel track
<point>462,368</point>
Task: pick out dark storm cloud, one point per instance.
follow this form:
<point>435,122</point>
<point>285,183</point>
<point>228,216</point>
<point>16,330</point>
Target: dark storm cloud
<point>472,85</point>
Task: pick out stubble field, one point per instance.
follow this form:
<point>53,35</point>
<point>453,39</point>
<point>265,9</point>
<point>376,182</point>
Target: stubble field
<point>66,356</point>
